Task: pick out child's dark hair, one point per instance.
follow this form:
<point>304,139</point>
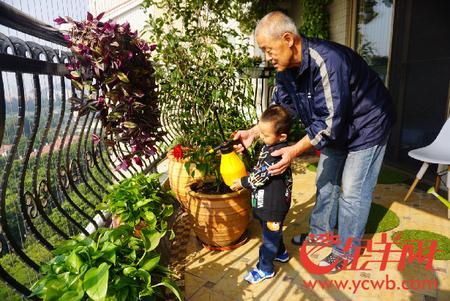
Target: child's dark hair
<point>280,116</point>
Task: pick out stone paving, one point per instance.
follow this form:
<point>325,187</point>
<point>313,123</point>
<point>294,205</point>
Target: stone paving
<point>212,275</point>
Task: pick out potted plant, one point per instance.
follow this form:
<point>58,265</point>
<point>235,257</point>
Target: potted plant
<point>113,68</point>
<point>199,69</point>
<point>110,264</point>
<point>140,202</point>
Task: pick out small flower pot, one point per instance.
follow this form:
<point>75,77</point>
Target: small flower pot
<point>180,180</point>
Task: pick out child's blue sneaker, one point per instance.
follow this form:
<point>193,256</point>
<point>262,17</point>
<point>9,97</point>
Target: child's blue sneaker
<point>283,257</point>
<point>256,275</point>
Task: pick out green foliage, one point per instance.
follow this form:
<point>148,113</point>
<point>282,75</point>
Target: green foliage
<point>111,264</point>
<point>140,197</point>
<point>297,132</point>
<point>315,18</point>
<point>201,60</point>
<point>250,12</point>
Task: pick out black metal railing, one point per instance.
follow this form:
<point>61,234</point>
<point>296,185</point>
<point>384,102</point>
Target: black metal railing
<point>53,173</point>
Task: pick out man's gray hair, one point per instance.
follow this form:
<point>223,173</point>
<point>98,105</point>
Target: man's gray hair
<point>276,24</point>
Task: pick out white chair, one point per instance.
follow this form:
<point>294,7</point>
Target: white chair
<point>437,152</point>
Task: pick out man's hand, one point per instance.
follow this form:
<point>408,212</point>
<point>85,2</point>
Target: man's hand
<point>247,137</point>
<point>287,154</point>
<point>237,184</point>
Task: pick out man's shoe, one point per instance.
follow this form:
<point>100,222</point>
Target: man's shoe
<point>256,275</point>
<point>283,257</point>
<point>302,238</point>
<point>331,259</point>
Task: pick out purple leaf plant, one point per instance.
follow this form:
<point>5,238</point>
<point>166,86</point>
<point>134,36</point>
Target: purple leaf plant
<point>114,64</point>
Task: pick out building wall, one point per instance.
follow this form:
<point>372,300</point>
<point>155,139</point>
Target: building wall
<point>121,11</point>
<point>340,12</point>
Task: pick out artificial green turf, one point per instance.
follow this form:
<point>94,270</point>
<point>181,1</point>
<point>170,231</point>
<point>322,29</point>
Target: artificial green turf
<point>412,237</point>
<point>389,176</point>
<point>312,166</point>
<point>381,219</point>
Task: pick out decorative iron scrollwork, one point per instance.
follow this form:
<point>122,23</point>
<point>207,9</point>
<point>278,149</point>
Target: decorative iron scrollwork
<point>64,178</point>
<point>30,201</point>
<point>43,195</point>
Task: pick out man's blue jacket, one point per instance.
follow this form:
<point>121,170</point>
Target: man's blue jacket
<point>340,100</point>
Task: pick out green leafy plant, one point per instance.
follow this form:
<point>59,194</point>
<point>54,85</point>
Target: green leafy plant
<point>252,61</point>
<point>315,18</point>
<point>249,12</point>
<point>201,61</point>
<point>113,65</point>
<point>140,198</point>
<point>111,264</point>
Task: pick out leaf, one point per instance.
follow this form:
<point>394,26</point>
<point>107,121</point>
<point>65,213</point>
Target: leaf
<point>129,124</point>
<point>151,239</point>
<point>144,275</point>
<point>170,285</point>
<point>74,261</point>
<point>75,74</point>
<point>129,271</point>
<point>148,291</point>
<point>96,281</point>
<point>73,295</point>
<point>77,85</point>
<point>100,16</point>
<point>122,76</point>
<point>150,263</point>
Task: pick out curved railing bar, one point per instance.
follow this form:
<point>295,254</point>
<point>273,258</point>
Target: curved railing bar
<point>94,150</point>
<point>108,153</point>
<point>102,159</point>
<point>36,50</point>
<point>29,209</point>
<point>85,180</point>
<point>68,163</point>
<point>68,172</point>
<point>50,156</point>
<point>5,177</point>
<point>59,166</point>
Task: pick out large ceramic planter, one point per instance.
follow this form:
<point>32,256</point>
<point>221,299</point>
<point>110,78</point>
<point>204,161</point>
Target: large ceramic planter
<point>180,180</point>
<point>220,220</point>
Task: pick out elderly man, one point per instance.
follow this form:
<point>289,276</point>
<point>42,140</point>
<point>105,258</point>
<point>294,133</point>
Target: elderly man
<point>347,113</point>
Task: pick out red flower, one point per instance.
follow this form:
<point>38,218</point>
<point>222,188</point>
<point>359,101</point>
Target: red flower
<point>178,152</point>
<point>317,153</point>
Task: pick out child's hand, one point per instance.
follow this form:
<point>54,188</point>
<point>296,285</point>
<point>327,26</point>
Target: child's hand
<point>236,185</point>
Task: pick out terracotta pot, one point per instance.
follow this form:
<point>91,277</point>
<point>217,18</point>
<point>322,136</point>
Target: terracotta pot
<point>220,220</point>
<point>179,179</point>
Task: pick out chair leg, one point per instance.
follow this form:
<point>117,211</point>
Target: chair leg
<point>419,176</point>
<point>437,184</point>
<point>448,189</point>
